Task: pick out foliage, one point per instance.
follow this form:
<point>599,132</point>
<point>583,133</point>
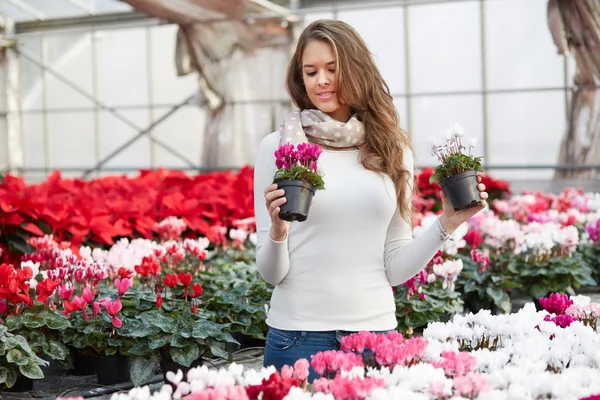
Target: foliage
<point>17,357</point>
<point>452,157</point>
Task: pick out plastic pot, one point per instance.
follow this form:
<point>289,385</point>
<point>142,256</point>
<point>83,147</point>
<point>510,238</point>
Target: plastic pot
<point>299,195</point>
<point>461,190</point>
<point>111,370</point>
<point>23,384</point>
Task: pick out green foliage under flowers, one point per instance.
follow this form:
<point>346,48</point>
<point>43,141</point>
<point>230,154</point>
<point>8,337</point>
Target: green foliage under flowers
<point>439,304</point>
<point>486,289</point>
<point>42,328</point>
<point>455,164</point>
<point>299,173</point>
<point>17,357</point>
<point>540,276</point>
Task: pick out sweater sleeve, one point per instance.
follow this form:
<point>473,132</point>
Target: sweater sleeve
<point>272,258</point>
<point>405,256</point>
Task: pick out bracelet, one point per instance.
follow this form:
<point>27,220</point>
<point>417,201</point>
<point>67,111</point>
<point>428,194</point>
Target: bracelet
<point>443,234</point>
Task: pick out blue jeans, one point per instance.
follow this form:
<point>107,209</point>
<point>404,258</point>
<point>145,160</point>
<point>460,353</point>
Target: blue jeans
<point>287,347</point>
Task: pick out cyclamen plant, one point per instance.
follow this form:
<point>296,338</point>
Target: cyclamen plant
<point>453,155</point>
<point>299,163</point>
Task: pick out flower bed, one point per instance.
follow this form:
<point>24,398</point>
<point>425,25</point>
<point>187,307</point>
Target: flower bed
<point>179,287</point>
<point>527,355</point>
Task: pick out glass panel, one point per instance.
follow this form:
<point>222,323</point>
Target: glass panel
<point>71,56</point>
<point>115,133</point>
<point>31,73</point>
<point>184,132</point>
<point>383,31</point>
<point>122,67</point>
<point>445,47</point>
<point>167,87</point>
<point>525,129</point>
<point>433,115</point>
<point>71,137</point>
<point>32,127</point>
<point>523,56</point>
<point>3,144</point>
<point>401,106</point>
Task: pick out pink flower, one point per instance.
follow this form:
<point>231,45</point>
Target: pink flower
<point>556,303</point>
<point>287,372</point>
<point>88,296</point>
<point>65,293</point>
<point>301,369</point>
<point>113,309</point>
<point>456,364</point>
<point>438,389</point>
<point>285,156</point>
<point>122,285</point>
<point>470,385</point>
<point>561,320</point>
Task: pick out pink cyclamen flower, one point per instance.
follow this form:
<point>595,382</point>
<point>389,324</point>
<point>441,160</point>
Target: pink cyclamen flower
<point>113,309</point>
<point>88,296</point>
<point>301,369</point>
<point>556,303</point>
<point>122,285</point>
<point>470,385</point>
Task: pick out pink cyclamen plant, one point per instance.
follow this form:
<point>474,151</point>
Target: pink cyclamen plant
<point>299,163</point>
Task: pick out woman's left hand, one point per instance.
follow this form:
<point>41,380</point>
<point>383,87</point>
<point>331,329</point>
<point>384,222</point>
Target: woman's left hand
<point>451,219</point>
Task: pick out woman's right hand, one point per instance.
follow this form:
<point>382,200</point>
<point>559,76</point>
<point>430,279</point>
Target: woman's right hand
<point>274,199</point>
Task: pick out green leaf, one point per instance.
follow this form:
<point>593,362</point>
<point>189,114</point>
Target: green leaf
<point>139,349</point>
<point>57,350</point>
<point>31,371</point>
<point>185,356</point>
<point>14,356</point>
<point>3,374</point>
<point>13,323</point>
<point>204,329</point>
<point>18,341</point>
<point>54,320</point>
<point>157,343</point>
<point>218,350</point>
<point>11,379</point>
<point>143,368</point>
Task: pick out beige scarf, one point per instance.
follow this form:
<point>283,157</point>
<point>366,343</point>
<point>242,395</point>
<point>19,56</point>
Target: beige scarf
<point>299,126</point>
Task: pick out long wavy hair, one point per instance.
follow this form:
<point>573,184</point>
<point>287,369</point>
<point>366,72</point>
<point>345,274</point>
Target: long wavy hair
<point>361,86</point>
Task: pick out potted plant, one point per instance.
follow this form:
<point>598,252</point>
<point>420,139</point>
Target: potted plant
<point>297,175</point>
<point>457,173</point>
<point>18,363</point>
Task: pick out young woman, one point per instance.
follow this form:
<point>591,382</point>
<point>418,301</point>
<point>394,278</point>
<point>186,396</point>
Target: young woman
<point>333,273</point>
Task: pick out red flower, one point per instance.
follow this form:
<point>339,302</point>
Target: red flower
<point>197,289</point>
<point>45,289</point>
<point>171,280</point>
<point>185,279</point>
<point>159,301</point>
<point>124,273</point>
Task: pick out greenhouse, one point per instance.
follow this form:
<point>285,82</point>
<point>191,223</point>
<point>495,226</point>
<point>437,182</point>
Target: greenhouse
<point>159,159</point>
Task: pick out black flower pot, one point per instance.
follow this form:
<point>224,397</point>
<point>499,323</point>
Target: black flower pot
<point>83,364</point>
<point>299,195</point>
<point>111,370</point>
<point>461,190</point>
<point>23,384</point>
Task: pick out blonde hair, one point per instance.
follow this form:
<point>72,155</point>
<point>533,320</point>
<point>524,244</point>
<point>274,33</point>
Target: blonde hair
<point>359,84</point>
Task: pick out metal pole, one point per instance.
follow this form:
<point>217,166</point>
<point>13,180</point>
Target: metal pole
<point>45,123</point>
<point>407,75</point>
<point>484,85</point>
<point>15,158</point>
<point>150,71</point>
<point>95,92</point>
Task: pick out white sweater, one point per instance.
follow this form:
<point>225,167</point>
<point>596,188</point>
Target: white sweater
<point>335,270</point>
